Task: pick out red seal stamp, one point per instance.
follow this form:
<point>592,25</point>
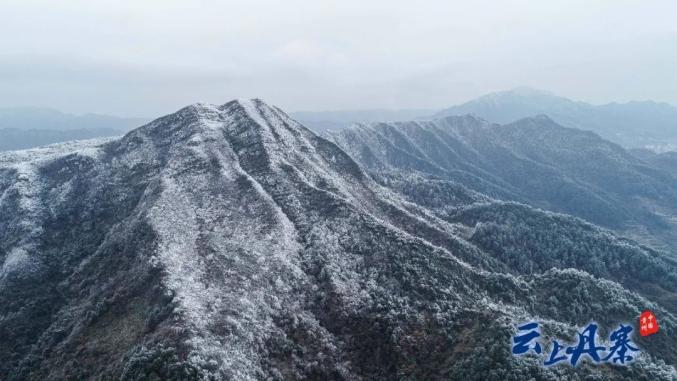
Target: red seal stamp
<point>648,325</point>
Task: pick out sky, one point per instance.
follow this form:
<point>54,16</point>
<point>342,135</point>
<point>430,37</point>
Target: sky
<point>147,58</point>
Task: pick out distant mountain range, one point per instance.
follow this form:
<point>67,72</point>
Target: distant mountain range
<point>230,242</point>
<point>320,121</point>
<point>633,124</point>
<point>534,161</point>
<point>665,160</point>
<point>28,127</point>
<point>645,124</point>
<point>35,118</point>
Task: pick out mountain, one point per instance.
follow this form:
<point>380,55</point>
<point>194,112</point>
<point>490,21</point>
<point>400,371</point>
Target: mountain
<point>27,127</point>
<point>36,118</point>
<point>533,161</point>
<point>320,121</point>
<point>231,242</point>
<point>665,160</point>
<point>15,139</point>
<point>632,124</point>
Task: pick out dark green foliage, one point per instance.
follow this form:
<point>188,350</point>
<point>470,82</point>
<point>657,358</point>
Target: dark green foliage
<point>533,161</point>
<point>227,242</point>
<point>158,363</point>
<point>531,242</point>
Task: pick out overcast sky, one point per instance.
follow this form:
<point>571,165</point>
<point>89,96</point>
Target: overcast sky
<point>145,58</point>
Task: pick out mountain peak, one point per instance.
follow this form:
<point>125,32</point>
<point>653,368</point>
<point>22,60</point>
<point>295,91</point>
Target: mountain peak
<point>470,118</point>
<point>230,242</point>
<point>521,94</point>
<point>538,119</point>
<point>526,91</point>
<point>241,116</point>
<point>248,135</point>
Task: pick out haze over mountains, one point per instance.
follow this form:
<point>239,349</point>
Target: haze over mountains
<point>634,124</point>
<point>27,127</point>
<point>321,121</point>
<point>637,124</point>
<point>664,160</point>
<point>231,242</point>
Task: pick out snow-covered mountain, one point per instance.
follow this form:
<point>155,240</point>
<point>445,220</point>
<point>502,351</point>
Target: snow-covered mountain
<point>533,161</point>
<point>320,121</point>
<point>230,242</point>
<point>632,124</point>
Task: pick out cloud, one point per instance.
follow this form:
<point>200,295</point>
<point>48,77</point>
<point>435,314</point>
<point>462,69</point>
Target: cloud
<point>304,53</point>
<point>130,57</point>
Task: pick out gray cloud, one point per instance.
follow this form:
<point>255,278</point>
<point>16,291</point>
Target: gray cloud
<point>151,57</point>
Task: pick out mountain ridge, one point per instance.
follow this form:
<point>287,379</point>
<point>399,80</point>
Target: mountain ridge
<point>533,160</point>
<point>230,242</point>
<point>632,124</point>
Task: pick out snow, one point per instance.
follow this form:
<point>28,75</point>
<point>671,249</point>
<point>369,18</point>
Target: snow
<point>25,165</point>
<point>250,107</point>
<point>88,147</point>
<point>234,256</point>
<point>256,235</point>
<point>18,261</point>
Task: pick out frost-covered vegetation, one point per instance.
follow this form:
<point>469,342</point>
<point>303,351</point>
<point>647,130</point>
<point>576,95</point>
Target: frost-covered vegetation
<point>230,242</point>
<point>532,161</point>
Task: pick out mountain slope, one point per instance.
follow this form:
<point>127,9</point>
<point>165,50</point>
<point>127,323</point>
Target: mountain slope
<point>534,161</point>
<point>632,124</point>
<point>320,121</point>
<point>665,160</point>
<point>230,242</point>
